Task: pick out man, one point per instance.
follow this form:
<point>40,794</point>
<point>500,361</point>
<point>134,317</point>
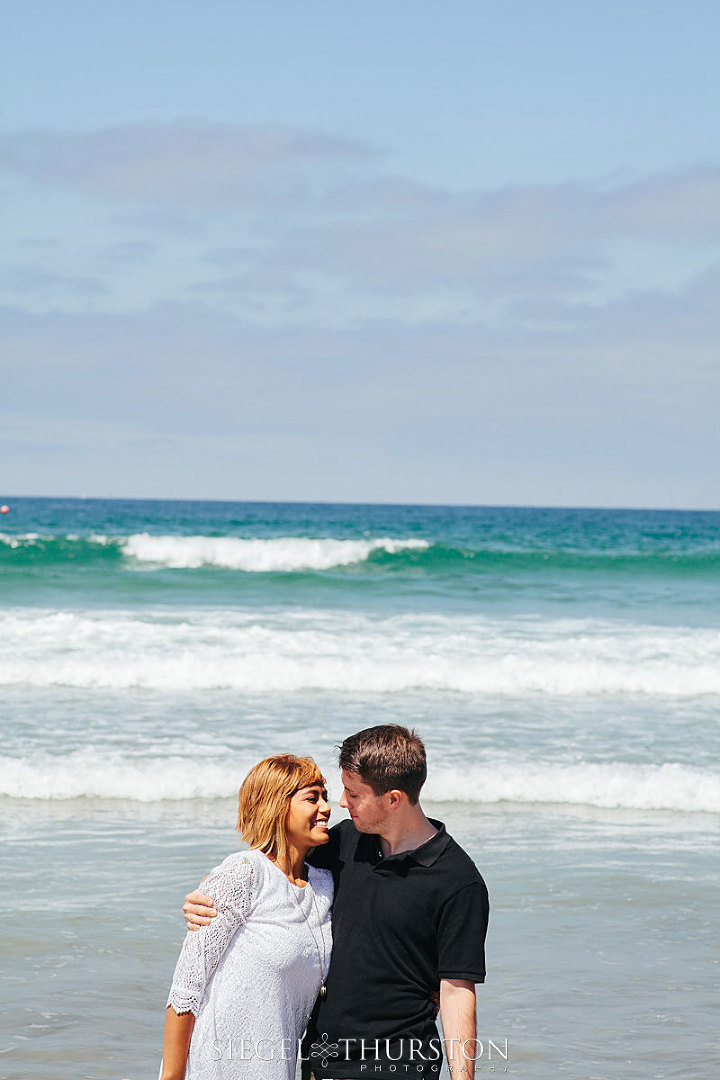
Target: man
<point>409,920</point>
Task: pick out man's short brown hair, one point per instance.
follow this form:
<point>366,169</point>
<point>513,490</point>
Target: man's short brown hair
<point>387,757</point>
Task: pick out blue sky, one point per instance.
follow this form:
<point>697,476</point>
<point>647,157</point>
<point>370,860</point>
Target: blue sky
<point>404,252</point>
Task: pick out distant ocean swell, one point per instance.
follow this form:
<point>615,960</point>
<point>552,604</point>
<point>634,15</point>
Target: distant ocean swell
<point>91,774</point>
<point>253,555</point>
<point>294,554</point>
<point>182,650</point>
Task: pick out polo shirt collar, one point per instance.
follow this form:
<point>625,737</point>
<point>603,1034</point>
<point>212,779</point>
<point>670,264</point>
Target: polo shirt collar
<point>433,848</point>
<point>428,852</point>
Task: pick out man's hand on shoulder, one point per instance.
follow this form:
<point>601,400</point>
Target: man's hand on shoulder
<point>198,910</point>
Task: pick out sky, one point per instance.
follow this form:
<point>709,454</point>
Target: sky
<point>405,251</point>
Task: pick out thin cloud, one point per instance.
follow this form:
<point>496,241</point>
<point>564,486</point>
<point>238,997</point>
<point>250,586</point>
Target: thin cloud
<point>28,280</point>
<point>275,223</point>
<point>565,243</point>
<point>684,204</point>
<point>460,233</point>
<point>184,161</point>
<point>679,318</point>
<point>489,399</point>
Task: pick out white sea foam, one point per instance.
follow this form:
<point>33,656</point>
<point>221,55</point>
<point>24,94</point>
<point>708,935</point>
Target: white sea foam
<point>616,784</point>
<point>275,554</point>
<point>92,774</point>
<point>352,652</point>
<point>16,540</point>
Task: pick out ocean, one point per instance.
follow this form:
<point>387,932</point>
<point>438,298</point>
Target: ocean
<point>563,667</point>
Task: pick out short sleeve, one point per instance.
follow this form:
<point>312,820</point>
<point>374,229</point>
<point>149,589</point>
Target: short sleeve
<point>461,934</point>
<point>230,886</point>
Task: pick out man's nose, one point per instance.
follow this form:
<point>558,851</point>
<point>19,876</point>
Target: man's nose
<point>343,801</point>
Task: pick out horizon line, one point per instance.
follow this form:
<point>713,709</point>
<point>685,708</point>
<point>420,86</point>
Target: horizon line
<point>343,502</point>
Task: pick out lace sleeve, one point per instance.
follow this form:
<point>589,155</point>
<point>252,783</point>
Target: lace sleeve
<point>230,887</point>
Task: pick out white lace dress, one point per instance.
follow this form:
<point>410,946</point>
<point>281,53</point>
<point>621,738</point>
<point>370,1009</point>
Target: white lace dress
<point>252,976</point>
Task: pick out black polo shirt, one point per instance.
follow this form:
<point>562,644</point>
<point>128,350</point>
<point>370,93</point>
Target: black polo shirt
<point>400,925</point>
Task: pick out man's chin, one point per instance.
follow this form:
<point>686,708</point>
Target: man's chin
<point>362,828</point>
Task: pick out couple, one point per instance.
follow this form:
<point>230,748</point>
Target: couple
<point>409,918</point>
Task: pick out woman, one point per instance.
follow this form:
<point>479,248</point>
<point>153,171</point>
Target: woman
<point>245,984</point>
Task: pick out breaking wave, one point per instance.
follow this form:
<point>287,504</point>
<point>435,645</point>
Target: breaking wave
<point>275,554</point>
<point>615,785</point>
<point>301,554</point>
<point>268,652</point>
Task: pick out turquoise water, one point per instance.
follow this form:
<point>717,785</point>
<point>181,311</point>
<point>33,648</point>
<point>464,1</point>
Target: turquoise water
<point>562,665</point>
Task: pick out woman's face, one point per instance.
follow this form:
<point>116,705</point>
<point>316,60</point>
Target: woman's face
<point>307,823</point>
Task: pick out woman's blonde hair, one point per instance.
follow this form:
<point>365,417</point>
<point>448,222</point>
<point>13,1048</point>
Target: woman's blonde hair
<point>264,800</point>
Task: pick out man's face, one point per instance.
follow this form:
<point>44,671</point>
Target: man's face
<point>368,811</point>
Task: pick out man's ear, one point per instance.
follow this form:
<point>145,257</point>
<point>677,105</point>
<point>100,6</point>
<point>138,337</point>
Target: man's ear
<point>395,798</point>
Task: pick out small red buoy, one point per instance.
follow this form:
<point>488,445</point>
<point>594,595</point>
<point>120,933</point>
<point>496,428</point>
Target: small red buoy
<point>4,509</point>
